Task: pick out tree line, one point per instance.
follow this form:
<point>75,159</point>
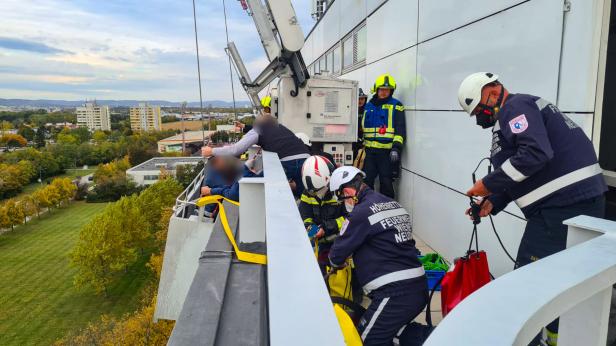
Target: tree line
<point>17,211</point>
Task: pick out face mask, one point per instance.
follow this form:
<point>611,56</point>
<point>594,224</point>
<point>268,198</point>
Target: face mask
<point>485,120</point>
<point>486,117</point>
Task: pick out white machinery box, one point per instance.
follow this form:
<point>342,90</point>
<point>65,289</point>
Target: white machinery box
<point>326,109</point>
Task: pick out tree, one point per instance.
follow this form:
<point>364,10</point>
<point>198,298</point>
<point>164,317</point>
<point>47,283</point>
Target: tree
<point>13,141</point>
<point>5,221</point>
<point>99,136</point>
<point>15,212</point>
<point>65,137</point>
<point>41,135</point>
<point>27,132</point>
<point>30,206</point>
<point>65,187</point>
<point>82,134</point>
<point>185,174</point>
<point>109,244</point>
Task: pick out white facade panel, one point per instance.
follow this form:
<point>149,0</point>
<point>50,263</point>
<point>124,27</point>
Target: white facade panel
<point>580,56</point>
<point>360,76</point>
<point>318,48</point>
<point>438,17</point>
<point>371,5</point>
<point>352,12</point>
<point>439,219</point>
<point>524,50</point>
<point>392,28</point>
<point>402,67</point>
<point>331,26</point>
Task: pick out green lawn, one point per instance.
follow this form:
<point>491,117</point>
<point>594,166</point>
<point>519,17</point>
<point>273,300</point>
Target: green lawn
<point>70,173</point>
<point>38,302</point>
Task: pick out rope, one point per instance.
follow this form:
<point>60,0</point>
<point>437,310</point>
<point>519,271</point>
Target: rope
<point>209,123</point>
<point>241,255</point>
<point>224,9</point>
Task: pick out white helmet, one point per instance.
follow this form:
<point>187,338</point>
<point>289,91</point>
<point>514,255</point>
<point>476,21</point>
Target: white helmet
<point>304,137</point>
<point>316,173</point>
<point>469,93</point>
<point>343,175</point>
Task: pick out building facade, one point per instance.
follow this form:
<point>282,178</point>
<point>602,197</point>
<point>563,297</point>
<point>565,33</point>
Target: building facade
<point>535,46</point>
<point>94,117</point>
<point>145,118</point>
<point>148,173</point>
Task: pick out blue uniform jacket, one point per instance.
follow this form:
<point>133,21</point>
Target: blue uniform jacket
<point>542,158</point>
<point>378,235</point>
<point>232,191</point>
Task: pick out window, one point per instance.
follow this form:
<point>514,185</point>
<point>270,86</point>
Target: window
<point>361,45</point>
<point>330,62</point>
<point>347,52</point>
<point>150,177</point>
<point>337,60</point>
<point>323,64</point>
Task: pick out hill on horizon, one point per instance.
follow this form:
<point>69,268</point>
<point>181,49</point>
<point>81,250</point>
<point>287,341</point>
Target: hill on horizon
<point>115,103</point>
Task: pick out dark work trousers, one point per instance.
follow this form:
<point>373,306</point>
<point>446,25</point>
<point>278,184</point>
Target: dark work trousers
<point>293,171</point>
<point>388,312</point>
<point>545,234</point>
<point>377,164</point>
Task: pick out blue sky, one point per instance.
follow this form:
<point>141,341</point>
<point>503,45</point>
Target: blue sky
<point>124,49</point>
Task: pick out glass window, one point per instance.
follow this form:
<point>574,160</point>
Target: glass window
<point>315,67</point>
<point>361,45</point>
<point>337,59</point>
<point>347,52</point>
<point>323,64</point>
<point>330,62</point>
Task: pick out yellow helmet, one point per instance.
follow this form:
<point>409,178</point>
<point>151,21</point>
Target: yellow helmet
<point>266,102</point>
<point>384,81</point>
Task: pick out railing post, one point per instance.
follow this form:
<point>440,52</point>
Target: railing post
<point>586,323</point>
<point>252,210</point>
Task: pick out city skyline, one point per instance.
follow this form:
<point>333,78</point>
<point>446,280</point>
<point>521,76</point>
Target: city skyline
<point>53,49</point>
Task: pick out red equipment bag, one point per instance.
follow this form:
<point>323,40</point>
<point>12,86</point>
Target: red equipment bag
<point>469,274</point>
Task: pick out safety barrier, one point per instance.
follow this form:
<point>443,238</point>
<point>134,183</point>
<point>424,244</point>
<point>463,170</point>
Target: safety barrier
<point>186,199</point>
<point>298,302</point>
<point>575,284</point>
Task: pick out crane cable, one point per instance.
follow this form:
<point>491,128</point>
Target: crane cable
<point>224,9</point>
<point>209,123</point>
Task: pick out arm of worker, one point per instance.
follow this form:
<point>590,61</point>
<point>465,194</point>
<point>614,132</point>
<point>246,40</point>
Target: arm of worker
<point>399,127</point>
<point>352,235</point>
<point>251,138</point>
<point>524,128</point>
<point>499,202</point>
<point>306,210</point>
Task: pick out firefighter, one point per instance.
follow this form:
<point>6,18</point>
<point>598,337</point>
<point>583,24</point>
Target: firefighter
<point>384,130</point>
<point>378,234</point>
<point>361,106</point>
<point>318,207</point>
<point>543,161</point>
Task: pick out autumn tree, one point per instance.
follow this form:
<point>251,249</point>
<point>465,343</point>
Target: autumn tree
<point>5,221</point>
<point>15,212</point>
<point>13,141</point>
<point>30,206</point>
<point>109,244</point>
<point>65,188</point>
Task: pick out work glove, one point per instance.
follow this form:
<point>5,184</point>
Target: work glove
<point>394,156</point>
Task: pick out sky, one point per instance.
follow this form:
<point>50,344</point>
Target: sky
<point>125,49</point>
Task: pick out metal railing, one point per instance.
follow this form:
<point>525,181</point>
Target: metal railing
<point>184,199</point>
<point>299,309</point>
<point>575,284</point>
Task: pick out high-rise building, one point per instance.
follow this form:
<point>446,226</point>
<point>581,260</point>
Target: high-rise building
<point>145,118</point>
<point>94,117</point>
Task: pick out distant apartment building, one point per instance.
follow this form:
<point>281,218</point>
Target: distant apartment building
<point>94,117</point>
<point>145,118</point>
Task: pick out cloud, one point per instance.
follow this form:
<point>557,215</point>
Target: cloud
<point>122,49</point>
<point>28,46</point>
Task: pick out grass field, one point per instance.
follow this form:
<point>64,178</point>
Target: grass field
<point>38,302</point>
<point>70,173</point>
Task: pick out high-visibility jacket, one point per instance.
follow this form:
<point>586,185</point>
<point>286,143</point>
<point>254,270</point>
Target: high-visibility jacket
<point>383,125</point>
<point>328,213</point>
